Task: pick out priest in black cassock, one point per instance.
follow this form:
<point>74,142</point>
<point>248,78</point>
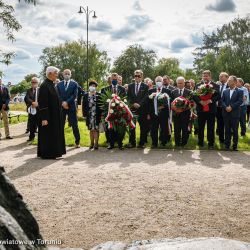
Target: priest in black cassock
<point>51,142</point>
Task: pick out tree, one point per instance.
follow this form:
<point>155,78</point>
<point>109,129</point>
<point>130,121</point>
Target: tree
<point>73,55</point>
<point>135,57</point>
<point>10,25</point>
<point>169,66</point>
<point>226,49</point>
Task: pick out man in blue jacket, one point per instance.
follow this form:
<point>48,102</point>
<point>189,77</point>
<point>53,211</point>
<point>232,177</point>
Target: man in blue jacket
<point>68,90</point>
<point>232,98</point>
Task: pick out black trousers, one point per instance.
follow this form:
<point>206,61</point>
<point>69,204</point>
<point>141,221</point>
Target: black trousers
<point>144,124</point>
<point>72,117</point>
<point>181,133</point>
<point>203,118</point>
<point>114,137</point>
<point>159,122</point>
<point>32,125</point>
<point>220,124</point>
<point>231,125</point>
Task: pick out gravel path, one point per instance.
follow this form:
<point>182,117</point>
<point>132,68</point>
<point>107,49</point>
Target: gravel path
<point>88,198</point>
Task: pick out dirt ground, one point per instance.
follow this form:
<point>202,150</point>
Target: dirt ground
<point>91,197</point>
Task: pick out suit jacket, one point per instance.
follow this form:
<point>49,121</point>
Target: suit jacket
<point>235,101</point>
<point>30,97</point>
<point>4,97</point>
<point>141,98</point>
<point>215,98</point>
<point>69,95</point>
<point>163,112</point>
<point>120,90</point>
<point>85,108</point>
<point>170,87</point>
<point>221,92</point>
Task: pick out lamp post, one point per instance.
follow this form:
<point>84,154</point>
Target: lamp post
<point>87,12</point>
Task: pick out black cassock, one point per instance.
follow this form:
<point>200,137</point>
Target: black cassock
<point>51,141</point>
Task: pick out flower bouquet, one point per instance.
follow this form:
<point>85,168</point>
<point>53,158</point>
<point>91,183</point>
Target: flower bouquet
<point>205,92</point>
<point>116,112</point>
<point>180,104</point>
<point>162,98</point>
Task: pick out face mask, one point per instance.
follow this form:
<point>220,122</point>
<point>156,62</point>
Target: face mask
<point>66,77</point>
<point>114,82</point>
<point>158,84</point>
<point>92,88</point>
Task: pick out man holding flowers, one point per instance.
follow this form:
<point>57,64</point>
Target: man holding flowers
<point>206,97</point>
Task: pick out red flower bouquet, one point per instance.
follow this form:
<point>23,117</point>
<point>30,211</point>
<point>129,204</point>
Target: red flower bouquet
<point>180,104</point>
<point>205,92</point>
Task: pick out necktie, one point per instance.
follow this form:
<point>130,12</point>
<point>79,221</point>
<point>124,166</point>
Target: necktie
<point>114,90</point>
<point>137,88</point>
<point>222,88</point>
<point>180,92</point>
<point>66,85</point>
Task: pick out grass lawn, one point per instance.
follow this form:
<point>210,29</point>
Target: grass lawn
<point>244,142</point>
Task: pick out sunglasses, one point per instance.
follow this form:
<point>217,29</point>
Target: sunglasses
<point>137,76</point>
<point>34,82</point>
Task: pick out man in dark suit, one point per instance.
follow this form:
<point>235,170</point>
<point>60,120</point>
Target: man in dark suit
<point>4,107</point>
<point>167,83</point>
<point>181,119</point>
<point>138,100</point>
<point>159,115</point>
<point>232,98</point>
<point>31,100</point>
<point>223,77</point>
<point>112,135</point>
<point>207,116</point>
<point>68,92</point>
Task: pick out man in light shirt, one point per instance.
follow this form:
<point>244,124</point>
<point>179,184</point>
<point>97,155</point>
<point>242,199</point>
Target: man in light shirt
<point>243,110</point>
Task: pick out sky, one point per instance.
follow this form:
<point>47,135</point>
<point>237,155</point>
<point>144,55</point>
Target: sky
<point>170,28</point>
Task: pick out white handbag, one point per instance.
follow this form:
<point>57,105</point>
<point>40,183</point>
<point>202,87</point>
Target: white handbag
<point>32,110</point>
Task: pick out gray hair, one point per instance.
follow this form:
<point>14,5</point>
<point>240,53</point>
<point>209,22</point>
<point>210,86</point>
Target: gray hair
<point>180,78</point>
<point>35,79</point>
<point>159,79</point>
<point>240,80</point>
<point>51,69</point>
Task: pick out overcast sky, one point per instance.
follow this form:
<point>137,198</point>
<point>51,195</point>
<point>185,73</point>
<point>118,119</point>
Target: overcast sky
<point>171,28</point>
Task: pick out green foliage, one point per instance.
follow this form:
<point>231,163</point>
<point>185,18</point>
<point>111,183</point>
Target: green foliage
<point>73,55</point>
<point>135,57</point>
<point>169,66</point>
<point>227,49</point>
<point>20,87</point>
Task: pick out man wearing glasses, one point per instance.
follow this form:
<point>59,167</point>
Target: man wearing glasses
<point>138,99</point>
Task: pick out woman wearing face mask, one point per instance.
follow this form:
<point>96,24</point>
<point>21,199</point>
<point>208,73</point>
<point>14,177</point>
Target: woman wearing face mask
<point>159,115</point>
<point>91,109</point>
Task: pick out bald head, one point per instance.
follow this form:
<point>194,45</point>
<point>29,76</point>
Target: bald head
<point>67,74</point>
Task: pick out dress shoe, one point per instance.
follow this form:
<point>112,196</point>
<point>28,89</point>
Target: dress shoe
<point>121,147</point>
<point>77,146</point>
<point>235,149</point>
<point>30,139</point>
<point>110,147</point>
<point>9,137</point>
<point>211,147</point>
<point>140,146</point>
<point>130,146</point>
<point>95,147</point>
<point>91,146</point>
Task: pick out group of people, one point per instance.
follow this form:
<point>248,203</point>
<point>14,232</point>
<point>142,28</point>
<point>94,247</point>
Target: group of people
<point>54,102</point>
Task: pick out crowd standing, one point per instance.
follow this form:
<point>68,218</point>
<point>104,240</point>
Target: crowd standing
<point>154,104</point>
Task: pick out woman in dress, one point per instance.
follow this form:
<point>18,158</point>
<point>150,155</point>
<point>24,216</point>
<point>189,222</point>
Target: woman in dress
<point>92,111</point>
